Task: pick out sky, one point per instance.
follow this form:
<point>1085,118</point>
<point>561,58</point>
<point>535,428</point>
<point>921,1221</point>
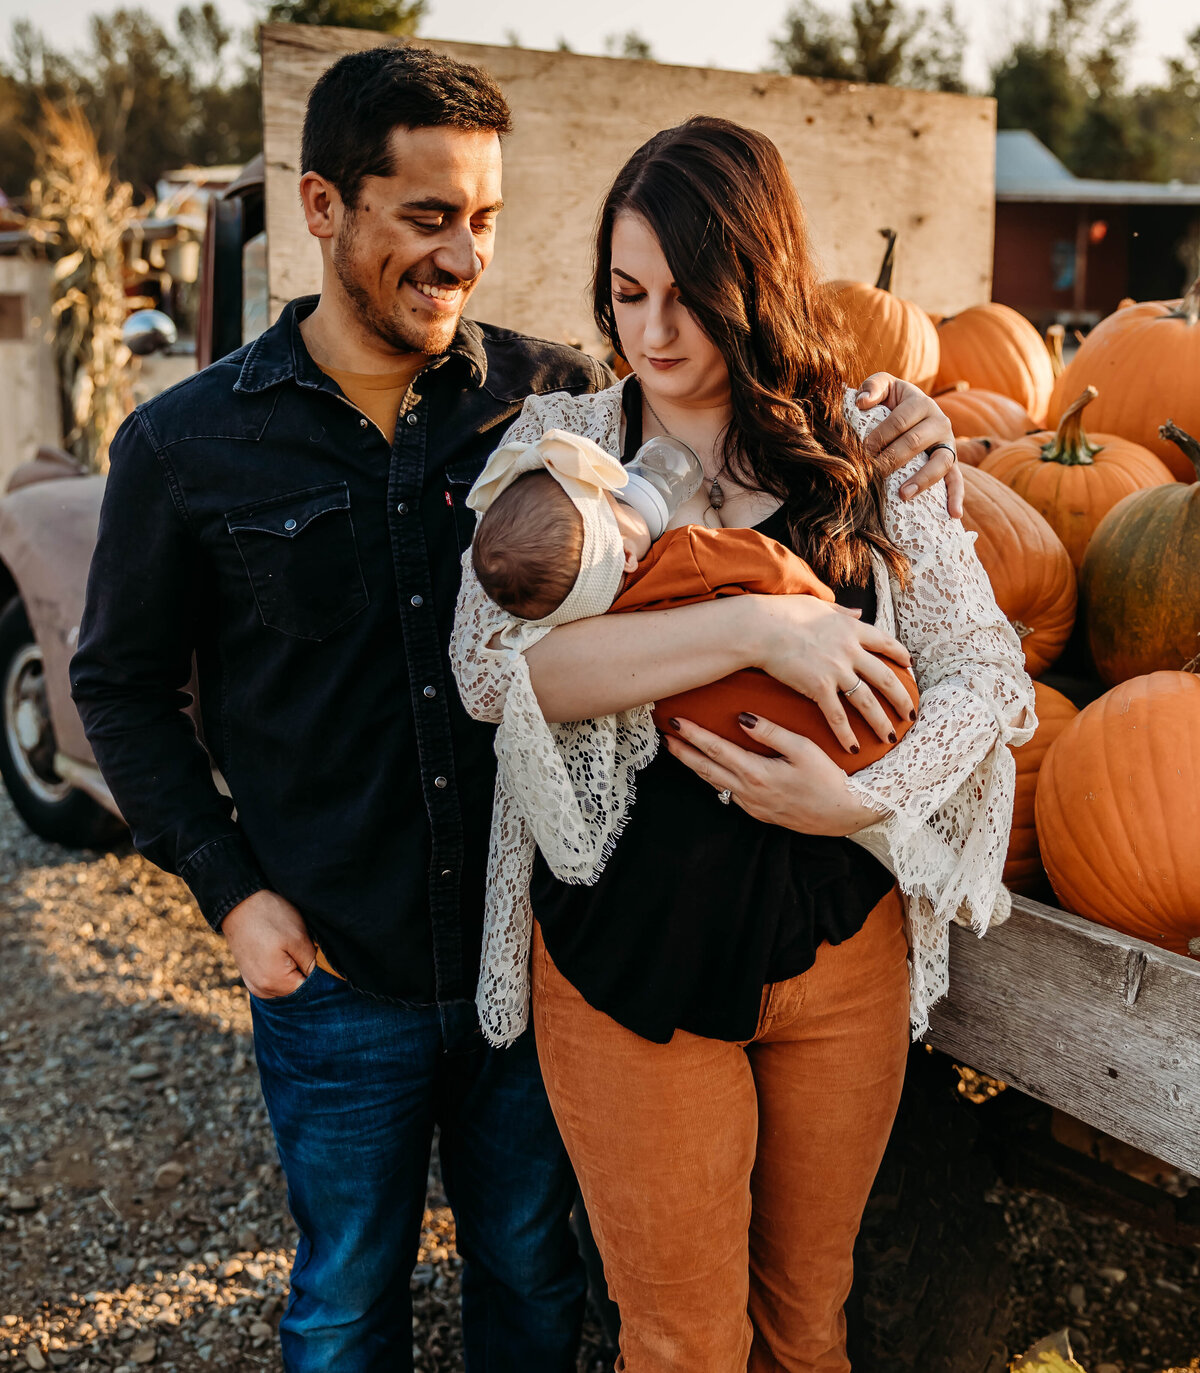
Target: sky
<point>689,32</point>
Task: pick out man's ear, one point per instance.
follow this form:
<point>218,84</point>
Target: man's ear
<point>631,562</point>
<point>322,205</point>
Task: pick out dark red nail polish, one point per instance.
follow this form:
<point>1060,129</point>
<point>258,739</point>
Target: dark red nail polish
<point>673,723</point>
<point>912,714</point>
<point>853,748</point>
<point>892,737</point>
<point>746,720</point>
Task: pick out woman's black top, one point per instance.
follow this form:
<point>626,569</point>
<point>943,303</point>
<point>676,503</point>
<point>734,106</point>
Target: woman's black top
<point>700,905</point>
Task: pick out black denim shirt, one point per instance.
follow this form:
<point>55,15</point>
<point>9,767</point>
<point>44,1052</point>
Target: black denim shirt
<point>255,519</point>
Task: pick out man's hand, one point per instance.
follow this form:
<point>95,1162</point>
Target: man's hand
<point>915,424</point>
<point>269,939</point>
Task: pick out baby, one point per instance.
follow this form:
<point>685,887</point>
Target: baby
<point>565,531</point>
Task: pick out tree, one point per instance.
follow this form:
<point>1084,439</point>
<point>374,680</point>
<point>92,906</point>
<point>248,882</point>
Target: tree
<point>154,99</point>
<point>1066,83</point>
<point>629,44</point>
<point>398,17</point>
<point>880,42</point>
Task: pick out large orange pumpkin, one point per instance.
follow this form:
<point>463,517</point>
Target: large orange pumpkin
<point>996,349</point>
<point>1023,870</point>
<point>982,412</point>
<point>893,335</point>
<point>1140,579</point>
<point>1072,478</point>
<point>1118,810</point>
<point>1029,569</point>
<point>1145,361</point>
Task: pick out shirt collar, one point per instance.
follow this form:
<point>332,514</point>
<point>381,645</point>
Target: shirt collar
<point>279,353</point>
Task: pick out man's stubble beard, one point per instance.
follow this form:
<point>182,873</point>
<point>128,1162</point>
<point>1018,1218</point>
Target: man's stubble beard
<point>403,335</point>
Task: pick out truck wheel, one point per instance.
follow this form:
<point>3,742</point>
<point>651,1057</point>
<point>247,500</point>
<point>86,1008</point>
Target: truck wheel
<point>931,1266</point>
<point>50,806</point>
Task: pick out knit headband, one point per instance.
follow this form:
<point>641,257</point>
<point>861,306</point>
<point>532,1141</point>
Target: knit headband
<point>585,472</point>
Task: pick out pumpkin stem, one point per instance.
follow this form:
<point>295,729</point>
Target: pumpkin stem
<point>884,280</point>
<point>1189,306</point>
<point>1070,444</point>
<point>1054,346</point>
<point>952,390</point>
<point>1182,440</point>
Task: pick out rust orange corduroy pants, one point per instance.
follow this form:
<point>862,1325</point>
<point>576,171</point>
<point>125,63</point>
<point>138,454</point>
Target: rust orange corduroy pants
<point>725,1182</point>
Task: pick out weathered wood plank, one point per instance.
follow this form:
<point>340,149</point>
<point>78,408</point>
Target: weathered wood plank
<point>863,158</point>
<point>1098,1024</point>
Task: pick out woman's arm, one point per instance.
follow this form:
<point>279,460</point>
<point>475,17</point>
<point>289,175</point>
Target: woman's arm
<point>941,800</point>
<point>610,663</point>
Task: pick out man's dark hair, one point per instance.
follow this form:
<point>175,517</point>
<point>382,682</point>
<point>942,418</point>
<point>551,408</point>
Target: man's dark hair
<point>357,102</point>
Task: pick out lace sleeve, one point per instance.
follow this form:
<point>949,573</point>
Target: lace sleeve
<point>946,790</point>
<point>565,788</point>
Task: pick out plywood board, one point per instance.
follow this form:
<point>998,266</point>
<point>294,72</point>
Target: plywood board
<point>1103,1026</point>
<point>862,157</point>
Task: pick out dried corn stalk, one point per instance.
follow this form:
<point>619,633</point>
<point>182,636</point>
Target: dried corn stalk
<point>82,213</point>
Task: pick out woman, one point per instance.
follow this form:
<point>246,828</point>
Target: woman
<point>721,1018</point>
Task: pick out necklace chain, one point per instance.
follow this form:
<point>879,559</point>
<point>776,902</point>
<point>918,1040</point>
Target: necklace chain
<point>716,495</point>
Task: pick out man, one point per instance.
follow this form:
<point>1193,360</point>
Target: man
<point>293,516</point>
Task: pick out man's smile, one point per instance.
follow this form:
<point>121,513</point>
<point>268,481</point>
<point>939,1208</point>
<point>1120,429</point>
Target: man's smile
<point>440,297</point>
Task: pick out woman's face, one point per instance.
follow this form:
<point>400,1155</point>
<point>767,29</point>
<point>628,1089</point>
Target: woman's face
<point>673,357</point>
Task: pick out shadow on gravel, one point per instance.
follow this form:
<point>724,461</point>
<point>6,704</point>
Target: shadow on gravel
<point>142,1210</point>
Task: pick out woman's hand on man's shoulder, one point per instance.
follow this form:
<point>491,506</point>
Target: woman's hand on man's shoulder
<point>915,423</point>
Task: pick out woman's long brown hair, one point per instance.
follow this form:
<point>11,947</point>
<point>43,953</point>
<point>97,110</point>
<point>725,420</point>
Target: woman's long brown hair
<point>719,200</point>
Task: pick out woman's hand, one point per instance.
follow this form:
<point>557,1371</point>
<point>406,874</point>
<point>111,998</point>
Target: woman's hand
<point>915,424</point>
<point>803,789</point>
<point>822,651</point>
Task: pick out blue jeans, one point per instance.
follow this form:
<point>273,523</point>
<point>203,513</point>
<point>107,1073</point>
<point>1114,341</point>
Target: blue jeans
<point>354,1087</point>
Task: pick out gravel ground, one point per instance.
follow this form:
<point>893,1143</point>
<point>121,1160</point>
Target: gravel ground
<point>142,1213</point>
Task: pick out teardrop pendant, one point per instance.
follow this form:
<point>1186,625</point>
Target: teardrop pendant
<point>716,497</point>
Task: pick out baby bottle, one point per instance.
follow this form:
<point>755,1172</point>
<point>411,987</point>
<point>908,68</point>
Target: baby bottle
<point>663,474</point>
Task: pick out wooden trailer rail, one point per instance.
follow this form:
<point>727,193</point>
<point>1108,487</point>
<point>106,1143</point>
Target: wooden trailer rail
<point>1105,1027</point>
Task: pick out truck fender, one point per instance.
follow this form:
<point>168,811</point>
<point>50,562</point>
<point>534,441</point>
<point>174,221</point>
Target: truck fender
<point>47,536</point>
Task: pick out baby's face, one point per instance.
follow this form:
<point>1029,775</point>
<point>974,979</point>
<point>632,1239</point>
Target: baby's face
<point>635,532</point>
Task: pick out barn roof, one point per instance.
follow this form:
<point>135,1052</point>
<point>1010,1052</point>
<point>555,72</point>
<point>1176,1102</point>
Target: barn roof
<point>1026,170</point>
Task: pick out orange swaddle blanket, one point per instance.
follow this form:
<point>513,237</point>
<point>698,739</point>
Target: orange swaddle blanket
<point>693,564</point>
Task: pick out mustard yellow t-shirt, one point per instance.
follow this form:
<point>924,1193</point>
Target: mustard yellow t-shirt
<point>379,395</point>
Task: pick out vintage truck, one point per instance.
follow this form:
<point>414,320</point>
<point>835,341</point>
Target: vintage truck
<point>1096,1027</point>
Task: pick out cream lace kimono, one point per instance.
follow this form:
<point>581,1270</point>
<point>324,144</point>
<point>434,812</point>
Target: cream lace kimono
<point>944,793</point>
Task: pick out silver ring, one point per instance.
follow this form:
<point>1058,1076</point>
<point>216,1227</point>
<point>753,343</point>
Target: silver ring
<point>949,447</point>
<point>724,796</point>
<point>853,689</point>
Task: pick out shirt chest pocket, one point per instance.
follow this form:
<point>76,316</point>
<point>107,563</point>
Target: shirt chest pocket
<point>301,557</point>
<point>460,478</point>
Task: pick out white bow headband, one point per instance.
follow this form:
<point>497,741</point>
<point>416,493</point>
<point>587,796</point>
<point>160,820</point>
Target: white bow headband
<point>585,472</point>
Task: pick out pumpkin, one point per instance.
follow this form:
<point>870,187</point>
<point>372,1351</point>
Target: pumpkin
<point>893,335</point>
<point>996,349</point>
<point>1023,870</point>
<point>1029,569</point>
<point>1055,337</point>
<point>1074,479</point>
<point>973,451</point>
<point>1140,578</point>
<point>1118,810</point>
<point>982,412</point>
<point>1144,360</point>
